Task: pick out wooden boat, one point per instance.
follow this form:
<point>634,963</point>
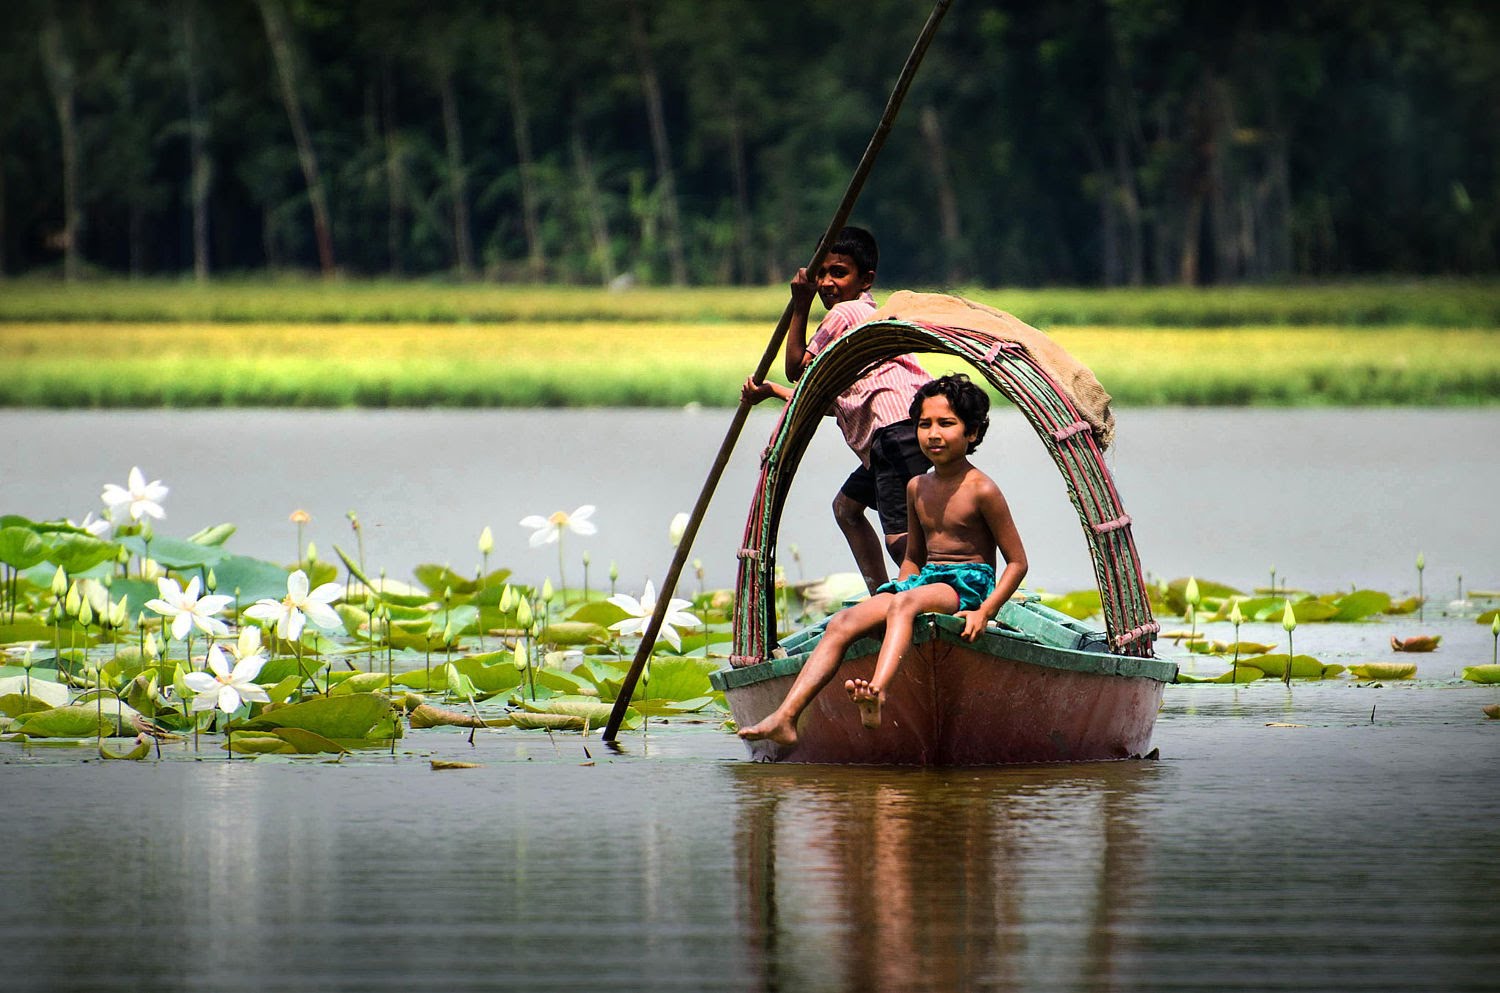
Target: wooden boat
<point>1037,686</point>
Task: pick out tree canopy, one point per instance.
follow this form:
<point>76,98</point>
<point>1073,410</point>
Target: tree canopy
<point>1109,142</point>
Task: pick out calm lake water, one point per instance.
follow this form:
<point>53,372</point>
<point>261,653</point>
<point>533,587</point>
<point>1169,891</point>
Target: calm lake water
<point>1327,497</point>
<point>1330,837</point>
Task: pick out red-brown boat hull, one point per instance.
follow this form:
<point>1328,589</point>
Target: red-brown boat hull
<point>1001,701</point>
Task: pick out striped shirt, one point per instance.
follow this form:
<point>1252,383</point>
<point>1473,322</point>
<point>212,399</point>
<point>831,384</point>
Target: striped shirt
<point>883,395</point>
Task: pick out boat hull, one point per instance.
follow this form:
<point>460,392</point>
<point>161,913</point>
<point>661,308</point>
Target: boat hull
<point>1001,700</point>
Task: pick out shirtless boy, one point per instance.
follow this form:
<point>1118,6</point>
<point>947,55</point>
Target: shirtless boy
<point>958,518</point>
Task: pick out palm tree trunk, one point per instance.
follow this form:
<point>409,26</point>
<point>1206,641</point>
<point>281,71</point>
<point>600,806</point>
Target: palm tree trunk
<point>942,177</point>
<point>395,171</point>
<point>62,81</point>
<point>661,147</point>
<point>281,50</point>
<point>201,168</point>
<point>520,118</point>
<point>598,222</point>
<point>458,181</point>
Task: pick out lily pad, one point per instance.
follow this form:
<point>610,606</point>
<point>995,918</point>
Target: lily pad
<point>352,716</point>
<point>1303,666</point>
<point>37,688</point>
<point>599,612</point>
<point>84,720</point>
<point>1384,670</point>
<point>1359,605</point>
<point>575,633</point>
<point>21,548</point>
<point>174,553</point>
<point>1489,673</point>
<point>79,552</point>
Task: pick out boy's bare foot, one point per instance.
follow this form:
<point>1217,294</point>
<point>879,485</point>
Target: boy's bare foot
<point>867,698</point>
<point>782,734</point>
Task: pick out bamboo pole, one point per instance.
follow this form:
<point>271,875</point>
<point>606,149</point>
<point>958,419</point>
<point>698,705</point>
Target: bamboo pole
<point>773,347</point>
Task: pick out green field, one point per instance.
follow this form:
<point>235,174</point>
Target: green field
<point>302,343</point>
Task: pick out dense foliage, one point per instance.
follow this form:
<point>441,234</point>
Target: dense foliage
<point>706,141</point>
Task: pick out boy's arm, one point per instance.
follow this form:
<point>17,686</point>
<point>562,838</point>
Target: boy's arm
<point>753,392</point>
<point>803,291</point>
<point>996,514</point>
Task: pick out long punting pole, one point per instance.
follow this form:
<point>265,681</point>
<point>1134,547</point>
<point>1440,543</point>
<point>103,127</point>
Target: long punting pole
<point>773,347</point>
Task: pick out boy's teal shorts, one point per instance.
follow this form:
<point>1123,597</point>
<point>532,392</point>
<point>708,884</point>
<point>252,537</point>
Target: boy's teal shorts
<point>973,581</point>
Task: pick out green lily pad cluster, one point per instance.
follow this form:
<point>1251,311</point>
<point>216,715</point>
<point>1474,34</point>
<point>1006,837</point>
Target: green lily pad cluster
<point>84,660</point>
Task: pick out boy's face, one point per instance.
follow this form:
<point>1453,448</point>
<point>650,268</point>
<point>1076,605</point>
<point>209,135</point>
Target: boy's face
<point>839,280</point>
<point>941,432</point>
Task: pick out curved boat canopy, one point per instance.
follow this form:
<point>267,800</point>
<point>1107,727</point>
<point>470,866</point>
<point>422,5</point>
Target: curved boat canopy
<point>1010,367</point>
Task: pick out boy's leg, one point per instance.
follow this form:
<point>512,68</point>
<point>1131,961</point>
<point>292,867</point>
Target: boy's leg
<point>935,598</point>
<point>848,624</point>
<point>855,497</point>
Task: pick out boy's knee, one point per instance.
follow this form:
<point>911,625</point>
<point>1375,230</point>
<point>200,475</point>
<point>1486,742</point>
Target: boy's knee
<point>847,510</point>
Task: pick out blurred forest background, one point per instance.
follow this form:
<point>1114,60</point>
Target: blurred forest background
<point>1081,142</point>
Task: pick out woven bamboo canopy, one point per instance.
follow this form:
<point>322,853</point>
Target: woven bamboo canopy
<point>1011,369</point>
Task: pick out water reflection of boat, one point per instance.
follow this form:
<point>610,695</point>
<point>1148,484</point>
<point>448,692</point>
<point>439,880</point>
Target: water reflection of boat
<point>1036,687</point>
<point>1001,879</point>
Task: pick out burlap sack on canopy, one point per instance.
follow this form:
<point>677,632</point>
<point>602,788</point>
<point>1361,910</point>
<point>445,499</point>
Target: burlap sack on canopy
<point>1076,379</point>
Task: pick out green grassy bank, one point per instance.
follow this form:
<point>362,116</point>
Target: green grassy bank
<point>1432,303</point>
<point>658,363</point>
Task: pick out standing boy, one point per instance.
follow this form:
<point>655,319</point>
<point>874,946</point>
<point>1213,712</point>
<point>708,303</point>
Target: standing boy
<point>959,518</point>
<point>873,413</point>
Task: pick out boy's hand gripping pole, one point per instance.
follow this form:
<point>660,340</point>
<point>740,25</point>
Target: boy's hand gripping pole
<point>773,347</point>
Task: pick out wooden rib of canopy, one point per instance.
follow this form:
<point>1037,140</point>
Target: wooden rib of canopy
<point>1011,370</point>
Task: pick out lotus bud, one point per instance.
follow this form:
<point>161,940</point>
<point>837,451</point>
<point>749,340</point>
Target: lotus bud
<point>1191,594</point>
<point>547,591</point>
<point>211,581</point>
<point>448,638</point>
<point>518,657</point>
<point>447,594</point>
<point>117,615</point>
<point>523,613</point>
<point>27,661</point>
<point>123,556</point>
<point>678,529</point>
<point>698,568</point>
<point>587,559</point>
<point>614,572</point>
<point>72,601</point>
<point>1421,561</point>
<point>1495,624</point>
<point>1235,616</point>
<point>312,554</point>
<point>147,531</point>
<point>1288,619</point>
<point>59,582</point>
<point>507,599</point>
<point>486,541</point>
<point>153,648</point>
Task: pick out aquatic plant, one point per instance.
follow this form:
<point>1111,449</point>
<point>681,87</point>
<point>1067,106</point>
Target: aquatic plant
<point>548,530</point>
<point>138,497</point>
<point>1289,624</point>
<point>639,615</point>
<point>224,687</point>
<point>1421,597</point>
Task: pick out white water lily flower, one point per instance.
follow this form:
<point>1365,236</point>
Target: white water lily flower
<point>187,609</point>
<point>226,688</point>
<point>298,606</point>
<point>640,612</point>
<point>142,498</point>
<point>546,530</point>
<point>97,528</point>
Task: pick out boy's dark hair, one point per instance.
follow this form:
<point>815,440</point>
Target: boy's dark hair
<point>859,245</point>
<point>969,402</point>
